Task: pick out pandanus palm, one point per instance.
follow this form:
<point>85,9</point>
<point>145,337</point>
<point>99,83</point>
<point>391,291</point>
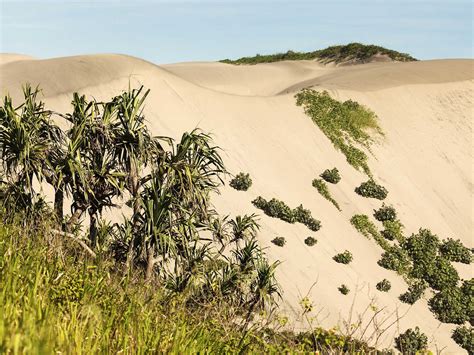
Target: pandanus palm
<point>244,227</point>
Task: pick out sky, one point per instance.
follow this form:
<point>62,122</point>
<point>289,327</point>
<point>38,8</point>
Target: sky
<point>177,31</point>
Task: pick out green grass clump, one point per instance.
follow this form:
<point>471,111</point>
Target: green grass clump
<point>454,250</point>
<point>364,226</point>
<point>310,241</point>
<point>346,124</point>
<point>385,213</point>
<point>350,52</point>
<point>279,241</point>
<point>371,189</point>
<point>384,285</point>
<point>331,175</point>
<point>411,342</point>
<point>279,209</point>
<point>393,230</point>
<point>322,188</point>
<point>464,337</point>
<point>344,289</point>
<point>343,258</point>
<point>241,182</point>
<point>414,292</point>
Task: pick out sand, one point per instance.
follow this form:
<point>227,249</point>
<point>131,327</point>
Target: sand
<point>425,161</point>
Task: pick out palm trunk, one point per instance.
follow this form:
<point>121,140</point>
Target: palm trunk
<point>74,219</point>
<point>58,204</point>
<point>150,264</point>
<point>93,227</point>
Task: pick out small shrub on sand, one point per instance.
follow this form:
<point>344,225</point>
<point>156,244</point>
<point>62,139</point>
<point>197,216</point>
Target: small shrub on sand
<point>310,241</point>
<point>331,175</point>
<point>385,213</point>
<point>454,250</point>
<point>322,188</point>
<point>362,223</point>
<point>344,289</point>
<point>279,241</point>
<point>411,342</point>
<point>395,259</point>
<point>303,215</point>
<point>241,182</point>
<point>343,258</point>
<point>384,285</point>
<point>449,306</point>
<point>371,189</point>
<point>393,230</point>
<point>415,291</point>
<point>464,337</point>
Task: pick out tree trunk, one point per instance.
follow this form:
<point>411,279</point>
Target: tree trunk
<point>74,219</point>
<point>93,228</point>
<point>150,264</point>
<point>58,204</point>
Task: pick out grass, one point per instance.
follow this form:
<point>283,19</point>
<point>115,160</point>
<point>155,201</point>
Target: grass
<point>323,189</point>
<point>348,125</point>
<point>341,53</point>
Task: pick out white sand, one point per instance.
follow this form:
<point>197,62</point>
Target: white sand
<point>425,161</point>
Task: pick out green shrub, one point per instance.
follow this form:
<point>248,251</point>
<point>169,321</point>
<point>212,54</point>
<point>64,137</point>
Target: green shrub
<point>371,189</point>
<point>454,250</point>
<point>411,342</point>
<point>364,226</point>
<point>441,275</point>
<point>322,188</point>
<point>331,175</point>
<point>343,289</point>
<point>241,182</point>
<point>280,241</point>
<point>385,213</point>
<point>423,250</point>
<point>467,290</point>
<point>464,337</point>
<point>415,291</point>
<point>343,258</point>
<point>449,306</point>
<point>384,285</point>
<point>303,215</point>
<point>310,241</point>
<point>393,230</point>
<point>396,259</point>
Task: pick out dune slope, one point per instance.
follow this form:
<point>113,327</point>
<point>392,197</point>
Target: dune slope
<point>425,160</point>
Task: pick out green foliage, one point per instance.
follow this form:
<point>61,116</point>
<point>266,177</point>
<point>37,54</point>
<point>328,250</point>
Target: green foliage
<point>415,291</point>
<point>310,241</point>
<point>441,275</point>
<point>393,230</point>
<point>396,259</point>
<point>343,289</point>
<point>454,250</point>
<point>449,306</point>
<point>241,182</point>
<point>278,209</point>
<point>384,285</point>
<point>467,289</point>
<point>346,124</point>
<point>411,342</point>
<point>385,213</point>
<point>322,188</point>
<point>350,52</point>
<point>343,258</point>
<point>280,241</point>
<point>464,337</point>
<point>371,189</point>
<point>331,175</point>
<point>364,226</point>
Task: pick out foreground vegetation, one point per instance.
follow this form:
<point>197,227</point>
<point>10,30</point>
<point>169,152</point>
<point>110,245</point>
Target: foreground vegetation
<point>351,52</point>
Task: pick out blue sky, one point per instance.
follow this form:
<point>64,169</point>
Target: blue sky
<point>175,31</point>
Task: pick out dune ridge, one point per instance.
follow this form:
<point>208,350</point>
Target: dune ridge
<point>425,159</point>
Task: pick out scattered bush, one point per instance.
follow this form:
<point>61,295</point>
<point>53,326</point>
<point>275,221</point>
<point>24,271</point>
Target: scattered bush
<point>310,241</point>
<point>449,306</point>
<point>454,250</point>
<point>303,215</point>
<point>385,213</point>
<point>371,189</point>
<point>442,275</point>
<point>464,337</point>
<point>396,259</point>
<point>322,188</point>
<point>343,289</point>
<point>280,241</point>
<point>331,175</point>
<point>241,182</point>
<point>467,290</point>
<point>415,291</point>
<point>364,226</point>
<point>343,258</point>
<point>384,285</point>
<point>411,342</point>
<point>423,250</point>
<point>393,230</point>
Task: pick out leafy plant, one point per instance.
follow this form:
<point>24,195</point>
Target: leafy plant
<point>280,241</point>
<point>310,241</point>
<point>393,230</point>
<point>303,215</point>
<point>343,289</point>
<point>331,175</point>
<point>385,213</point>
<point>464,337</point>
<point>322,188</point>
<point>364,226</point>
<point>241,182</point>
<point>396,259</point>
<point>454,250</point>
<point>415,291</point>
<point>449,307</point>
<point>343,258</point>
<point>384,285</point>
<point>371,189</point>
<point>411,341</point>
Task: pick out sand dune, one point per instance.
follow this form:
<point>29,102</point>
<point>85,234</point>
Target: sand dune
<point>425,160</point>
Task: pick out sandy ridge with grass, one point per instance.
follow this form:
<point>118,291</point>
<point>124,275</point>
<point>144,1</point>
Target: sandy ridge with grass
<point>425,159</point>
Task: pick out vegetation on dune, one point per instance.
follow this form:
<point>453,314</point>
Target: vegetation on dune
<point>331,175</point>
<point>393,230</point>
<point>279,241</point>
<point>343,258</point>
<point>241,182</point>
<point>344,289</point>
<point>411,341</point>
<point>415,291</point>
<point>323,189</point>
<point>342,53</point>
<point>347,124</point>
<point>385,213</point>
<point>310,241</point>
<point>364,226</point>
<point>454,250</point>
<point>384,285</point>
<point>279,209</point>
<point>371,189</point>
<point>464,337</point>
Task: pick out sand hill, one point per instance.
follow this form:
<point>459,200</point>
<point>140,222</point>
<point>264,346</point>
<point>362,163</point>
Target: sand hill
<point>425,160</point>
